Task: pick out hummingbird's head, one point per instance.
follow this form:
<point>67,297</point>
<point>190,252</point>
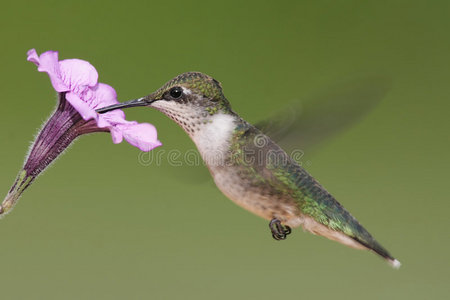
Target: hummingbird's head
<point>187,98</point>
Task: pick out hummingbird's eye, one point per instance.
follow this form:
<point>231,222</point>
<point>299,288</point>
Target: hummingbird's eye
<point>176,92</point>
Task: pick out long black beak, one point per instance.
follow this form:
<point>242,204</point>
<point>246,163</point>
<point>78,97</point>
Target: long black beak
<point>131,103</point>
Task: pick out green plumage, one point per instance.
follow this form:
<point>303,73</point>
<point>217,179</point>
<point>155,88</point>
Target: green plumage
<point>280,175</point>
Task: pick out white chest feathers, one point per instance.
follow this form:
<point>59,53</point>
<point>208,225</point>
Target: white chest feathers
<point>213,138</point>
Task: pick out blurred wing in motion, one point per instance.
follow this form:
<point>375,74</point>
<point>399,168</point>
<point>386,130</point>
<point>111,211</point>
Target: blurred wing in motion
<point>305,124</point>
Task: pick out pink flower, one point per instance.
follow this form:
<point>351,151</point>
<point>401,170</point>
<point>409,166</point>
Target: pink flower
<point>80,94</point>
<point>78,80</point>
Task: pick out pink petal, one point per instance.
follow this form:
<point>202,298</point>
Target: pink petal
<point>104,95</point>
<point>82,107</point>
<point>115,117</point>
<point>33,56</point>
<point>116,134</point>
<point>48,62</point>
<point>102,121</point>
<point>143,136</point>
<point>77,74</point>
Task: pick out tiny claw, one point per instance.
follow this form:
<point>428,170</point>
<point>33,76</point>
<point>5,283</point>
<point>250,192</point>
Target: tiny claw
<point>278,237</point>
<point>287,230</point>
<point>279,232</point>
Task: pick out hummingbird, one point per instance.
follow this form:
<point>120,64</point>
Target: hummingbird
<point>250,169</point>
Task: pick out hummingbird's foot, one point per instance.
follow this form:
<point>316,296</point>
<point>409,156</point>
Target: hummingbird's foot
<point>279,232</point>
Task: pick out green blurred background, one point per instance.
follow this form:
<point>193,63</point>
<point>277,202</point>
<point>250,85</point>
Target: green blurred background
<point>100,225</point>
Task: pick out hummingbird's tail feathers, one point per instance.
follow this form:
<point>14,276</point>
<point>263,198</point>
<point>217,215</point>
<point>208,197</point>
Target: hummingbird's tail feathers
<point>311,225</point>
<point>395,263</point>
<point>374,246</point>
<point>359,238</point>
